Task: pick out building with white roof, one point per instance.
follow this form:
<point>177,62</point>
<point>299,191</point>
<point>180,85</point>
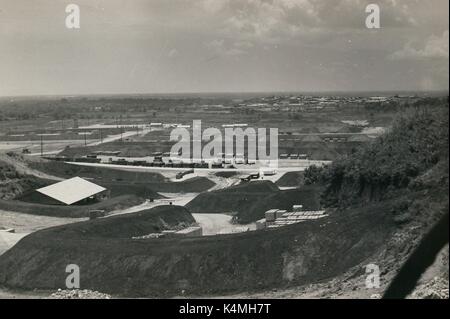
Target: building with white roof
<point>72,191</point>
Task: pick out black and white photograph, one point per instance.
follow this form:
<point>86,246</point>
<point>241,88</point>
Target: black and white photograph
<point>224,154</point>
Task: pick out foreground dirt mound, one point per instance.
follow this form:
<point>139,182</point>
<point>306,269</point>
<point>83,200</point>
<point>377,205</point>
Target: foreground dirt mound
<point>298,254</point>
<point>137,224</point>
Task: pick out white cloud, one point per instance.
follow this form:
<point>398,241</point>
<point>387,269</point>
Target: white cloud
<point>220,48</point>
<point>260,44</point>
<point>436,47</point>
<point>173,53</point>
<point>275,19</point>
<point>214,6</point>
<point>243,44</point>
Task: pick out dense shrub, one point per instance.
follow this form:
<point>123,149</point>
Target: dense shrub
<point>417,141</point>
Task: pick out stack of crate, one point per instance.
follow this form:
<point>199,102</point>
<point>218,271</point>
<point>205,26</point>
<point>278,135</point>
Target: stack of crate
<point>279,217</point>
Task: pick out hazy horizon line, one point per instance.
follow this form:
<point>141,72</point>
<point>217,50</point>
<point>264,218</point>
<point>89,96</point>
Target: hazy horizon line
<point>287,92</point>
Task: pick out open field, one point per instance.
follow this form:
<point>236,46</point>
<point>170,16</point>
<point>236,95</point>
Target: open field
<point>306,124</point>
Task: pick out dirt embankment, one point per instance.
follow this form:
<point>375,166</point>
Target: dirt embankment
<point>250,201</point>
<point>291,179</point>
<point>139,183</point>
<point>127,226</point>
<point>109,205</point>
<point>65,170</point>
<point>299,254</point>
<point>127,149</point>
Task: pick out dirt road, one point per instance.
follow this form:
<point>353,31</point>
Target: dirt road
<point>52,147</point>
<point>213,224</point>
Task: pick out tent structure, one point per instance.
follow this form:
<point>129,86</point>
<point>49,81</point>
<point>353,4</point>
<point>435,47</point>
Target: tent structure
<point>71,190</point>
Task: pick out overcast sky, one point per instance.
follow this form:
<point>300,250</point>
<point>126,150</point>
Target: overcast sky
<point>168,46</point>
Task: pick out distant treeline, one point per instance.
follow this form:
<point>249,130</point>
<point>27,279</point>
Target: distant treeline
<point>68,108</point>
<point>96,107</point>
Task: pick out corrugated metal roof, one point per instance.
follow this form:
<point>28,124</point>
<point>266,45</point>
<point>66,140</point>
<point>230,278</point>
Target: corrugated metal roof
<point>71,190</point>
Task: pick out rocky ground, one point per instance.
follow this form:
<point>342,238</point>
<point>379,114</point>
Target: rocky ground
<point>434,289</point>
<point>78,294</point>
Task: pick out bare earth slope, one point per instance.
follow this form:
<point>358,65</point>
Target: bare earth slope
<point>299,254</point>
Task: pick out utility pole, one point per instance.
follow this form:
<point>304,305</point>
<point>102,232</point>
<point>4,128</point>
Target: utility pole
<point>42,146</point>
<point>121,128</point>
<point>84,139</point>
<point>101,136</point>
